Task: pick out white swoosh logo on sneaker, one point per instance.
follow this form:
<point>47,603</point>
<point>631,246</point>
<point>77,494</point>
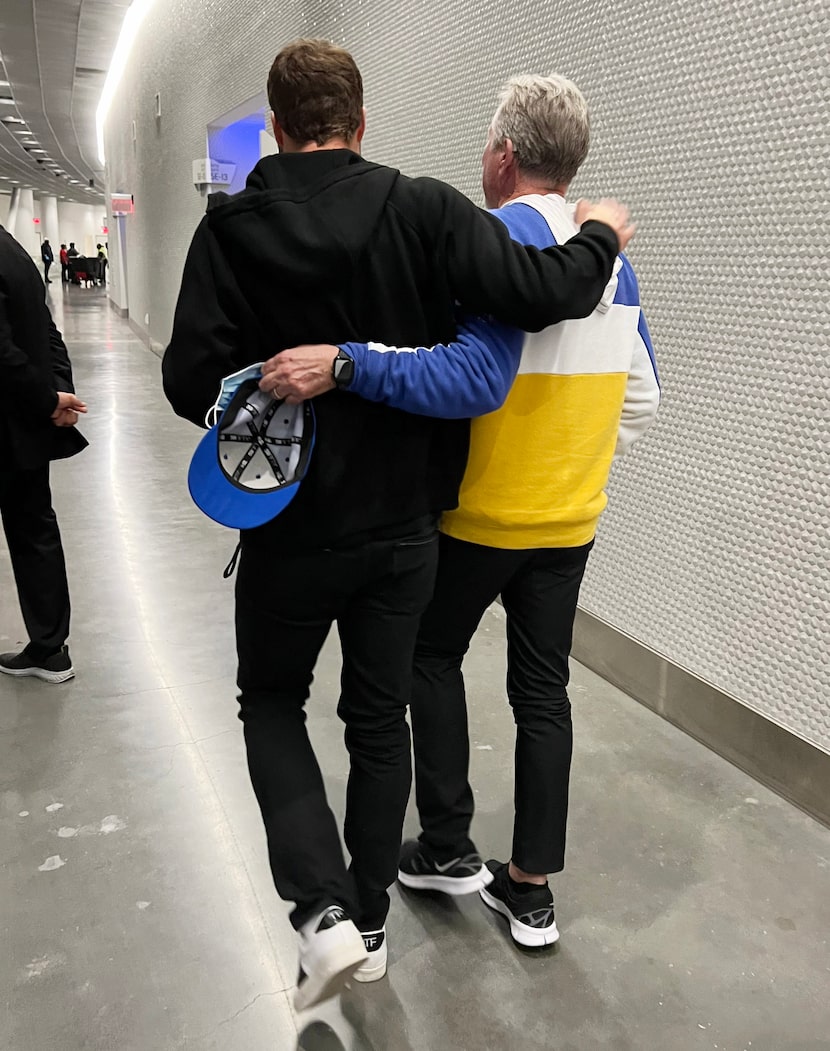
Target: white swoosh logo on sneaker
<point>445,867</point>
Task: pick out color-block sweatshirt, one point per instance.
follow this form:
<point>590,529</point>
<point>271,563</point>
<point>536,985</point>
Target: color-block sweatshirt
<point>583,392</point>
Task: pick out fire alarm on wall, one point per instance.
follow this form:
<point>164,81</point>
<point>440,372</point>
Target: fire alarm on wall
<point>158,104</point>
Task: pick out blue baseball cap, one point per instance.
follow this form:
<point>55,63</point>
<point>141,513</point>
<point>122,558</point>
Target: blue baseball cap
<point>249,466</point>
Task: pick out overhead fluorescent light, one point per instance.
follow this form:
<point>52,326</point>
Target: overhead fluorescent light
<point>12,120</point>
<point>4,84</point>
<point>7,102</point>
<point>36,151</point>
<point>129,30</point>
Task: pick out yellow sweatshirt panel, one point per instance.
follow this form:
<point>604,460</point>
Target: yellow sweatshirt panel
<point>539,465</point>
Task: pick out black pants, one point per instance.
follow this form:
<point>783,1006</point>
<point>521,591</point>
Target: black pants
<point>285,606</point>
<point>46,266</point>
<point>34,541</point>
<point>539,589</point>
<point>64,272</point>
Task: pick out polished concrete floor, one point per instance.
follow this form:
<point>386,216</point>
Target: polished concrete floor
<point>136,908</point>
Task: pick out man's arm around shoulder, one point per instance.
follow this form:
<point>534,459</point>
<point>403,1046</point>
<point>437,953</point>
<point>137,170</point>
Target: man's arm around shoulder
<point>519,285</point>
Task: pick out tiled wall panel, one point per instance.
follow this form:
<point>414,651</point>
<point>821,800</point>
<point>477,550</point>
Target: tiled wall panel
<point>711,119</point>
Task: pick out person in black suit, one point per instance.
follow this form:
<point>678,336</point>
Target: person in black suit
<point>48,257</point>
<point>37,425</point>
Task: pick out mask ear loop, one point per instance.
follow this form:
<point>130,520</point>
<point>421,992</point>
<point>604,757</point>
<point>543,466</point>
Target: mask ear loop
<point>212,415</point>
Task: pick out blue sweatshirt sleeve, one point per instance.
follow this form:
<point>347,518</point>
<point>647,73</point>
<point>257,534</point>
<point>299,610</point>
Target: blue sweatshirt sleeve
<point>468,377</point>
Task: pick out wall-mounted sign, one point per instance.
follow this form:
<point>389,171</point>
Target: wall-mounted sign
<point>215,173</point>
<point>123,204</point>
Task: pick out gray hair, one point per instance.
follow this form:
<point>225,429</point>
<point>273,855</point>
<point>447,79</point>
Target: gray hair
<point>546,119</point>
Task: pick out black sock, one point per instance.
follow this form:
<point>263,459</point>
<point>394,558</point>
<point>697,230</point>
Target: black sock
<point>41,653</point>
<point>524,888</point>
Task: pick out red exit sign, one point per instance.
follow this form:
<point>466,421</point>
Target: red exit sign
<point>122,204</point>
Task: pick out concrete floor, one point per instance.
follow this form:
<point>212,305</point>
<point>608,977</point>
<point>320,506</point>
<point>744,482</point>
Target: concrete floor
<point>136,907</point>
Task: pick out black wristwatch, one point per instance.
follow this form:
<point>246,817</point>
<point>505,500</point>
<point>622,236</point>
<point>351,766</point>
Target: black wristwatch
<point>342,370</point>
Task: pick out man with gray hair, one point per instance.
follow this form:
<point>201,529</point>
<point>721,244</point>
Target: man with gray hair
<point>528,510</point>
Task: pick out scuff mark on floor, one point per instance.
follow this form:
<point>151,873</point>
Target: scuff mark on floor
<point>42,964</point>
<point>111,823</point>
<point>52,863</point>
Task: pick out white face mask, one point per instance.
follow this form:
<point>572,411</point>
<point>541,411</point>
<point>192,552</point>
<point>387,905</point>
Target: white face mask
<point>230,385</point>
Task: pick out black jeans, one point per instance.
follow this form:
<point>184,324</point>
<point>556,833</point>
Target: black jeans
<point>36,552</point>
<point>539,590</point>
<point>285,606</point>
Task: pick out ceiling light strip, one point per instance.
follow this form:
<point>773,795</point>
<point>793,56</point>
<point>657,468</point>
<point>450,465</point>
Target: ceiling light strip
<point>129,31</point>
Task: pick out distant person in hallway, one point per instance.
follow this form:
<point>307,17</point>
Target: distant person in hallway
<point>323,244</point>
<point>73,253</point>
<point>37,425</point>
<point>64,258</point>
<point>48,257</point>
<point>528,511</point>
<point>102,264</point>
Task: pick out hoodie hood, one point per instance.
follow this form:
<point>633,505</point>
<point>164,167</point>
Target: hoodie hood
<point>303,218</point>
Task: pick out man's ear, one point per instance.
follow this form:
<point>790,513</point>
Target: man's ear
<point>361,131</point>
<point>509,159</point>
<point>508,168</point>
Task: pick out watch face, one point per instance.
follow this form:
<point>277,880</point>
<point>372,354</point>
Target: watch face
<point>343,370</point>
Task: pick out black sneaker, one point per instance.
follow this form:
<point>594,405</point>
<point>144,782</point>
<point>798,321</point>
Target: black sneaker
<point>331,950</point>
<point>57,668</point>
<point>529,912</point>
<point>419,870</point>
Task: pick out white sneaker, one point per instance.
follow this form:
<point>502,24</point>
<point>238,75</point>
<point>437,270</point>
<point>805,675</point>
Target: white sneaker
<point>375,967</point>
<point>331,950</point>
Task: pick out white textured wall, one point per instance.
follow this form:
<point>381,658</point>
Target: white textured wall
<point>711,120</point>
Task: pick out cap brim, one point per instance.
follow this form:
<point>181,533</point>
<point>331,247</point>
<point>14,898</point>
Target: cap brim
<point>215,495</point>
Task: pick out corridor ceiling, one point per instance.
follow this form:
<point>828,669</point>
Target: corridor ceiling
<point>54,56</point>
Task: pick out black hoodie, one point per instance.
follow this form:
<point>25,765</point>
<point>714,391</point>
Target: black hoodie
<point>325,247</point>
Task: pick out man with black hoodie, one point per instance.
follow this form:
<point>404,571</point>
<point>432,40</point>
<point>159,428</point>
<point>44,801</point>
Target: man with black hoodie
<point>324,246</point>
